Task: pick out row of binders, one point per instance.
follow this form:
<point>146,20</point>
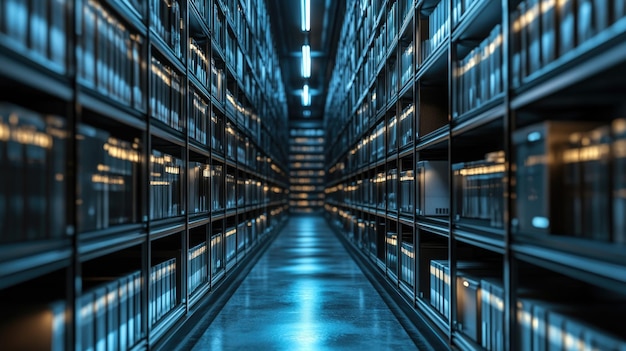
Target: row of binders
<point>239,147</point>
<point>110,315</point>
<point>217,187</point>
<point>381,190</point>
<point>391,242</point>
<point>166,185</point>
<point>438,29</point>
<point>206,70</point>
<point>480,300</point>
<point>407,263</point>
<point>543,321</point>
<point>110,56</point>
<point>479,190</point>
<point>406,64</point>
<point>392,190</point>
<point>199,187</point>
<point>543,31</point>
<point>555,325</point>
<point>166,95</point>
<point>406,126</point>
<point>162,290</point>
<point>580,193</point>
<point>198,61</point>
<point>479,74</point>
<point>198,126</point>
<point>32,181</point>
<point>36,29</point>
<point>230,239</point>
<point>167,21</point>
<point>198,258</point>
<point>407,188</point>
<point>108,179</point>
<point>217,254</point>
<point>379,49</point>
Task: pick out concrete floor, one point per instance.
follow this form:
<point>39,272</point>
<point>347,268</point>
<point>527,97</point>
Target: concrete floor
<point>305,293</point>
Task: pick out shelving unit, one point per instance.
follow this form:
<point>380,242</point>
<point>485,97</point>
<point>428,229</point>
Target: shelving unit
<point>496,212</point>
<point>306,166</point>
<point>138,142</point>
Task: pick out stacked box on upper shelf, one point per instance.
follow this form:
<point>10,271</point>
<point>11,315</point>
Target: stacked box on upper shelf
<point>109,56</point>
<point>432,185</point>
<point>39,31</point>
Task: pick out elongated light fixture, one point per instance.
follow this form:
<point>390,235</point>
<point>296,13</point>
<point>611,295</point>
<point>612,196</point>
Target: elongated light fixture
<point>306,96</point>
<point>305,5</point>
<point>306,61</point>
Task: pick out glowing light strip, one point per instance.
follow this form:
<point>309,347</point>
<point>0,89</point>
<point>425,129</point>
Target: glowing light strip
<point>306,61</point>
<point>305,6</point>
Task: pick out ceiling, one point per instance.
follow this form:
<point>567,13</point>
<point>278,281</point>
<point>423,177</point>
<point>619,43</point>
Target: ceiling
<point>326,21</point>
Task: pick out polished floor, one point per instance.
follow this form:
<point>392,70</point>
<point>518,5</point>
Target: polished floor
<point>305,293</point>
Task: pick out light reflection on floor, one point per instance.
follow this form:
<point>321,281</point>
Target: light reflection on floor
<point>305,294</point>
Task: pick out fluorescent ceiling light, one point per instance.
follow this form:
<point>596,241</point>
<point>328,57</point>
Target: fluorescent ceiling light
<point>306,61</point>
<point>306,96</point>
<point>305,5</point>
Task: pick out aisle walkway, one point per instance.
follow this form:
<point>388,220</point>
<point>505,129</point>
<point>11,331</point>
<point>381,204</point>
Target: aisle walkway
<point>305,293</point>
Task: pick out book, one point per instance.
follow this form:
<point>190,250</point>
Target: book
<point>533,35</point>
<point>618,177</point>
<point>516,18</point>
<point>38,28</point>
<point>86,324</point>
<point>548,31</point>
<point>566,19</point>
<point>16,22</point>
